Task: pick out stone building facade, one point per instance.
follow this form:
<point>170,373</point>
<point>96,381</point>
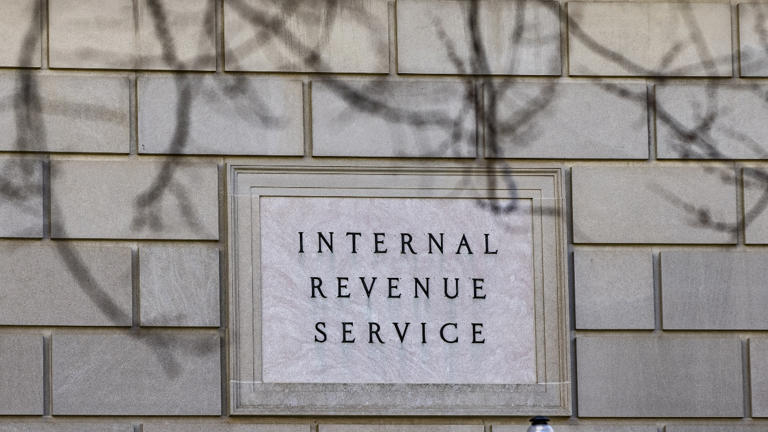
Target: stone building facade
<point>124,121</point>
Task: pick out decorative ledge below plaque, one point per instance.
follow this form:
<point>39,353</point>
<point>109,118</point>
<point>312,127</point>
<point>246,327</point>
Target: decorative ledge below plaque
<point>397,291</point>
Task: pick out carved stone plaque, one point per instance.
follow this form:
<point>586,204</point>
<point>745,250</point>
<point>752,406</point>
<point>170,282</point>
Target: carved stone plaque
<point>397,291</point>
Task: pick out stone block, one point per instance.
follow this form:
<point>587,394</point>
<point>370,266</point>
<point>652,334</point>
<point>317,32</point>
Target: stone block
<point>755,183</point>
<point>132,34</point>
<point>20,34</point>
<point>583,428</point>
<point>21,198</point>
<point>714,290</point>
<point>179,286</point>
<point>306,36</point>
<point>758,363</point>
<point>398,428</point>
<point>157,373</point>
<point>221,114</point>
<point>711,122</point>
<point>65,427</point>
<point>393,118</point>
<point>517,38</point>
<point>731,427</point>
<point>615,38</point>
<point>613,289</point>
<point>651,376</point>
<point>132,199</point>
<point>214,427</point>
<point>84,114</point>
<point>65,285</point>
<point>753,58</point>
<point>681,204</point>
<point>587,121</point>
<point>21,374</point>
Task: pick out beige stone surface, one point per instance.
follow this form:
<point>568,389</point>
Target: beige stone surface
<point>64,113</point>
<point>755,184</point>
<point>36,426</point>
<point>306,36</point>
<point>398,428</point>
<point>681,204</point>
<point>232,114</point>
<point>179,286</point>
<point>21,374</point>
<point>649,39</point>
<point>20,33</point>
<point>517,38</point>
<point>213,427</point>
<point>585,121</point>
<point>128,34</point>
<point>364,118</point>
<point>714,290</point>
<point>651,376</point>
<point>613,288</point>
<point>758,363</point>
<point>583,428</point>
<point>134,199</point>
<point>701,427</point>
<point>65,284</point>
<point>711,121</point>
<point>137,373</point>
<point>21,198</point>
<point>753,39</point>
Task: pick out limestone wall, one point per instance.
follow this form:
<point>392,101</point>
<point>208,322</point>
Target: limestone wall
<point>118,119</point>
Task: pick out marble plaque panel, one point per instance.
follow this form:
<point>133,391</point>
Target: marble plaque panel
<point>397,291</point>
<point>421,296</point>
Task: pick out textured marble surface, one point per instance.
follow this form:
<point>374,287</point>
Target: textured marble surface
<point>68,285</point>
<point>758,364</point>
<point>21,206</point>
<point>348,36</point>
<point>179,286</point>
<point>134,199</point>
<point>436,38</point>
<point>295,351</point>
<point>668,376</point>
<point>593,121</point>
<point>213,427</point>
<point>398,428</point>
<point>72,113</point>
<point>118,34</point>
<point>438,118</point>
<point>19,20</point>
<point>613,289</point>
<point>616,38</point>
<point>228,114</point>
<point>138,373</point>
<point>21,374</point>
<point>65,427</point>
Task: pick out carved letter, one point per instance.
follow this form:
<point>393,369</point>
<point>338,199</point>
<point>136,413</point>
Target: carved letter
<point>477,332</point>
<point>320,330</point>
<point>354,235</point>
<point>378,239</point>
<point>316,284</point>
<point>328,242</point>
<point>401,335</point>
<point>487,251</point>
<point>442,336</point>
<point>477,285</point>
<point>463,243</point>
<point>346,331</point>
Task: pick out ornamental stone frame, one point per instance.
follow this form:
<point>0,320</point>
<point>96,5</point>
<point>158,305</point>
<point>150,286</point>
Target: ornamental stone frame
<point>547,393</point>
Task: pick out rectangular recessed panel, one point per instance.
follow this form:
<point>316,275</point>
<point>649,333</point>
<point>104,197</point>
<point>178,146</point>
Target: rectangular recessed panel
<point>390,290</point>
